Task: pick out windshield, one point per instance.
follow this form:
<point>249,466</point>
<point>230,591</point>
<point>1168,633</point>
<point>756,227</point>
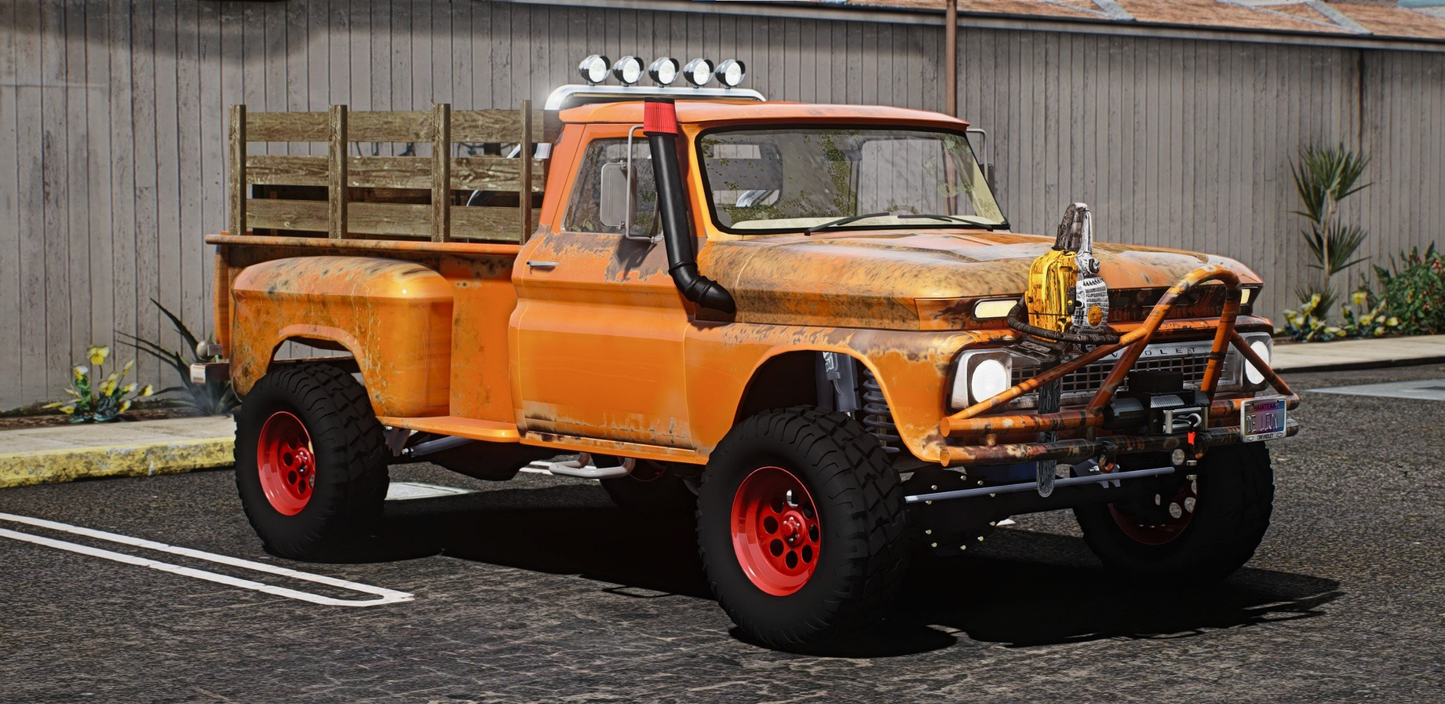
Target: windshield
<point>815,178</point>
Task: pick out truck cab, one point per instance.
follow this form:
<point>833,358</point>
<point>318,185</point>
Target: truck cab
<point>813,325</point>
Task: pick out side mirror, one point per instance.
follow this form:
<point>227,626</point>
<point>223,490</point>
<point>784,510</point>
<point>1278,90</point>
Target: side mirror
<point>617,196</point>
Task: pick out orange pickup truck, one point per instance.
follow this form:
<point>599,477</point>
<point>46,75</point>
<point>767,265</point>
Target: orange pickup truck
<point>810,324</point>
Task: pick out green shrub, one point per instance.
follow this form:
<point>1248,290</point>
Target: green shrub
<point>1414,291</point>
<point>1367,317</point>
<point>102,401</point>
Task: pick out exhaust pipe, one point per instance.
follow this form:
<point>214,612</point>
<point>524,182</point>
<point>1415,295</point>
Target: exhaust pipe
<point>659,123</point>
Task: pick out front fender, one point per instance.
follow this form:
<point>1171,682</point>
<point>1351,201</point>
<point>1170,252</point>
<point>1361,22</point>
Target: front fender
<point>911,367</point>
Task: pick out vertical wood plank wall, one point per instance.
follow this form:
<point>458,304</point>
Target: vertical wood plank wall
<point>113,117</point>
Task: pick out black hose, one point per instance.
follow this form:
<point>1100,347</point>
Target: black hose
<point>676,228</point>
<point>1017,322</point>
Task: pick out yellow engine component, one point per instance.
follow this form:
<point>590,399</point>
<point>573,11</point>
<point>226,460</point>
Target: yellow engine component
<point>1050,296</point>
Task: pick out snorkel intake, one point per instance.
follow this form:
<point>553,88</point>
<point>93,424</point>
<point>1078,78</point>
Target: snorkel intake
<point>659,119</point>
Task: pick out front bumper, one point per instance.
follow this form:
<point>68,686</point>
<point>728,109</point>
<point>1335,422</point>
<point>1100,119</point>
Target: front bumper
<point>980,434</point>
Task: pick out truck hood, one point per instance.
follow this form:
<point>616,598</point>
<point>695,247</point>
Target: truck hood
<point>874,280</point>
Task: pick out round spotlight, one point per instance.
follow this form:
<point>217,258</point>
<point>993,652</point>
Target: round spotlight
<point>628,70</point>
<point>664,71</point>
<point>594,69</point>
<point>989,378</point>
<point>730,73</point>
<point>698,72</point>
<point>1251,374</point>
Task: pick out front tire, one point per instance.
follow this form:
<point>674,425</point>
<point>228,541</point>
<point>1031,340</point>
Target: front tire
<point>310,461</point>
<point>802,527</point>
<point>1222,516</point>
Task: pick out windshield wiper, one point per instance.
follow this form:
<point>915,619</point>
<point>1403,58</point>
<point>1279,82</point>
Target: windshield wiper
<point>842,221</point>
<point>965,222</point>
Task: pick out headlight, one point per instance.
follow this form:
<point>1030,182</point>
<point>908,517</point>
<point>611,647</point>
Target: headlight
<point>730,73</point>
<point>1252,375</point>
<point>593,69</point>
<point>980,375</point>
<point>628,70</point>
<point>663,71</point>
<point>698,72</point>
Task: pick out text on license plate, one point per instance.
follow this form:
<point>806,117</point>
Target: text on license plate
<point>1262,418</point>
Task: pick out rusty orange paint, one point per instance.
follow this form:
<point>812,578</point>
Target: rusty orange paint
<point>600,353</point>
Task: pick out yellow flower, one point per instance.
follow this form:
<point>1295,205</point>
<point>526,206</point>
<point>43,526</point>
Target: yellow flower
<point>129,388</point>
<point>67,410</point>
<point>128,366</point>
<point>147,390</point>
<point>124,406</point>
<point>1393,320</point>
<point>108,387</point>
<point>57,404</point>
<point>97,353</point>
<point>1360,298</point>
<point>80,372</point>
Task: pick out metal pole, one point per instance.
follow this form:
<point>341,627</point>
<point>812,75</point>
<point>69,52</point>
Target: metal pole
<point>950,57</point>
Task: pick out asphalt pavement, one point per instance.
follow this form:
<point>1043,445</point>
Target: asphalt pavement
<point>539,590</point>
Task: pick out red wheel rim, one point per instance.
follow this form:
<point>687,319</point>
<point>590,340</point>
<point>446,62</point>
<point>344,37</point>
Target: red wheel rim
<point>286,463</point>
<point>776,532</point>
<point>1180,508</point>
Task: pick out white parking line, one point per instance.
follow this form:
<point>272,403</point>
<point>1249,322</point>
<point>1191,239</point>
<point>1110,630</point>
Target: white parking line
<point>386,596</point>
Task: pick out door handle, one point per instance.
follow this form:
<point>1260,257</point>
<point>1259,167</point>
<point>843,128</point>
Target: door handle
<point>536,264</point>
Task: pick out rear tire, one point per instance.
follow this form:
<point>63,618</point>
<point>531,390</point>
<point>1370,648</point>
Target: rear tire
<point>802,527</point>
<point>1235,497</point>
<point>310,461</point>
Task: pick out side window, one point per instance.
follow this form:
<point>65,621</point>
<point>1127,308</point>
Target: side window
<point>584,213</point>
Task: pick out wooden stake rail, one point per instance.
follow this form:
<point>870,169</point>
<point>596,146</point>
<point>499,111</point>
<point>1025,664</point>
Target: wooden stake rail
<point>339,172</point>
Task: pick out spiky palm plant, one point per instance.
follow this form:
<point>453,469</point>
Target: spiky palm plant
<point>212,398</point>
<point>1323,177</point>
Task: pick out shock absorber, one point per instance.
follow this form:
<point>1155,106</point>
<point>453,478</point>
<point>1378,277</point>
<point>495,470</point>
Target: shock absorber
<point>877,417</point>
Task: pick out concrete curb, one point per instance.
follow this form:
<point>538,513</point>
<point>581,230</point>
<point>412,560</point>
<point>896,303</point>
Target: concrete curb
<point>1349,366</point>
<point>138,460</point>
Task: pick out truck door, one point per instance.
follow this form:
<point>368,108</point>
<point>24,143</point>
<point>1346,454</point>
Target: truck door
<point>599,329</point>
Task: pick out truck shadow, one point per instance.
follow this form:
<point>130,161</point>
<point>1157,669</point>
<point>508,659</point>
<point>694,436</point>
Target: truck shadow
<point>1023,589</point>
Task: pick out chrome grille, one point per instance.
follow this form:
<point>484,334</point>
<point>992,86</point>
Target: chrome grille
<point>1189,358</point>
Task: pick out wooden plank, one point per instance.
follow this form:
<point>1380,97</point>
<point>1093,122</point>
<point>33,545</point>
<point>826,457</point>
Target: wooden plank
<point>268,213</point>
<point>336,181</point>
<point>495,125</point>
<point>102,233</point>
<point>11,309</point>
<point>391,126</point>
<point>493,173</point>
<point>146,68</point>
<point>238,165</point>
<point>390,172</point>
<point>487,223</point>
<point>286,171</point>
<point>441,173</point>
<point>189,101</point>
<point>55,280</point>
<point>121,180</point>
<point>74,136</point>
<point>395,219</point>
<point>287,127</point>
<point>524,195</point>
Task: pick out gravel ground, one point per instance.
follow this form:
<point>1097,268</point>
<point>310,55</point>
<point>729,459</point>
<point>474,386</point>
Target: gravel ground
<point>538,589</point>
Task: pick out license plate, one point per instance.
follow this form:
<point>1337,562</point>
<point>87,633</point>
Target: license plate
<point>1262,418</point>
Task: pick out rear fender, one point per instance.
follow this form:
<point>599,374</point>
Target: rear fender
<point>393,316</point>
